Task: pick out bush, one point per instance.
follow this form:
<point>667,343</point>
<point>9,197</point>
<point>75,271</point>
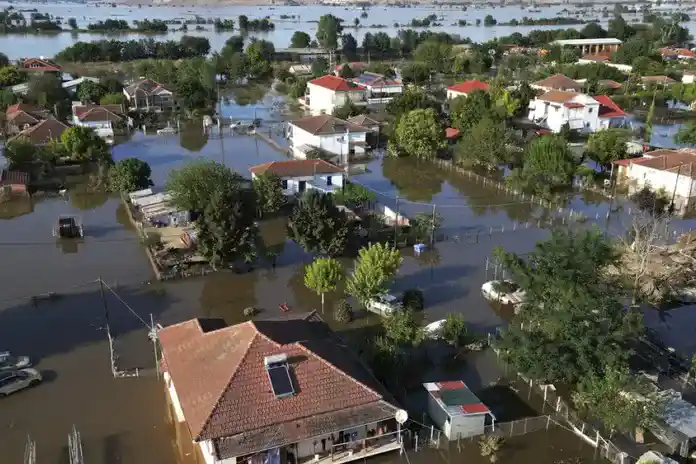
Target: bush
<point>413,299</point>
<point>343,311</point>
<point>250,311</point>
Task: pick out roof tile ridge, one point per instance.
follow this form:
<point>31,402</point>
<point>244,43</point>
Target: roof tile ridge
<point>229,382</point>
<point>332,366</point>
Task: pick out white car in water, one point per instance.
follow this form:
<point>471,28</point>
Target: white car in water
<point>504,292</point>
<point>384,305</point>
<point>13,381</point>
<point>10,362</point>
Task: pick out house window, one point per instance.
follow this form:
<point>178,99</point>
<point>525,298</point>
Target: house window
<point>328,180</point>
<point>589,110</point>
<point>284,184</point>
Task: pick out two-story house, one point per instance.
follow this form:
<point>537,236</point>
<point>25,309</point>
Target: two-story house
<point>275,391</point>
<point>327,92</point>
<point>148,95</point>
<point>297,176</point>
<point>328,134</point>
<point>556,109</point>
<point>380,89</point>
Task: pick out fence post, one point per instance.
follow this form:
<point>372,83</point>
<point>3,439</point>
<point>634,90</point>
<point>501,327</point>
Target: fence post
<point>558,404</point>
<point>548,421</point>
<point>416,443</point>
<point>432,431</point>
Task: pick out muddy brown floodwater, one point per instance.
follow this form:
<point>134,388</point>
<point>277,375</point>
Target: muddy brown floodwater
<point>125,420</point>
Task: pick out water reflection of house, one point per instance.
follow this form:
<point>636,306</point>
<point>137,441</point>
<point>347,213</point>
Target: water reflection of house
<point>13,182</point>
<point>673,171</point>
<point>148,95</point>
<point>328,134</point>
<point>456,410</point>
<point>23,116</point>
<point>296,176</point>
<point>275,391</point>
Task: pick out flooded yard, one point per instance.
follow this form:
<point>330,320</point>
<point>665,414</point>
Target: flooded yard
<point>125,419</point>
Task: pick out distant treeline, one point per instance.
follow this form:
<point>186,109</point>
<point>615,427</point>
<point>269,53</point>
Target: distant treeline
<point>129,50</point>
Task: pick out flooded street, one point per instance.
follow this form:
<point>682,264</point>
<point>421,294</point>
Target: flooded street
<point>126,419</point>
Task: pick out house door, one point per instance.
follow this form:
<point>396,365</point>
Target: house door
<point>302,185</point>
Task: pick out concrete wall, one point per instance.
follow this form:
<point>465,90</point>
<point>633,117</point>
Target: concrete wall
<point>338,144</point>
<point>681,186</point>
<point>465,426</point>
<point>322,100</point>
<point>178,411</point>
<point>292,184</point>
<point>557,115</point>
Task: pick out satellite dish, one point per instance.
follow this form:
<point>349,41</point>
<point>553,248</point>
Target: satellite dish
<point>401,416</point>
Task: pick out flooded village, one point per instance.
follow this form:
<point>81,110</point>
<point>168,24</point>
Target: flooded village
<point>167,325</point>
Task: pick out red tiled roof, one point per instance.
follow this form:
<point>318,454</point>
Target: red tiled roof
<point>325,124</point>
<point>558,82</point>
<point>597,58</point>
<point>451,385</point>
<point>43,132</point>
<point>296,168</point>
<point>355,66</point>
<point>677,52</point>
<point>19,118</point>
<point>474,408</point>
<point>668,160</point>
<point>608,83</point>
<point>29,64</point>
<point>335,83</point>
<point>468,86</point>
<point>608,108</point>
<point>452,133</point>
<point>96,113</point>
<point>25,107</point>
<point>224,388</point>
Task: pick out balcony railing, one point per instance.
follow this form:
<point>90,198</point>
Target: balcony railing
<point>359,449</point>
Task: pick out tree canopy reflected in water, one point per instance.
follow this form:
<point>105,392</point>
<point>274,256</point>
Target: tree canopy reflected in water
<point>16,207</point>
<point>88,200</point>
<point>416,180</point>
<point>192,137</point>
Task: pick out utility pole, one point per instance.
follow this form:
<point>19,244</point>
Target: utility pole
<point>153,337</point>
<point>432,229</point>
<point>103,297</point>
<point>396,222</point>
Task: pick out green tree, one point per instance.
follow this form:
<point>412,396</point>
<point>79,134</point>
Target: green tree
<point>9,76</point>
<point>111,99</point>
<point>548,163</point>
<point>84,145</point>
<point>47,90</point>
<point>607,146</point>
<point>489,21</point>
<point>354,195</point>
<point>72,22</point>
<point>376,266</point>
<point>90,92</point>
<point>572,323</point>
<point>259,54</point>
<point>192,94</point>
<point>322,276</point>
<point>629,51</point>
<point>686,134</point>
<point>243,22</point>
<point>192,186</point>
<point>347,110</point>
<point>269,193</point>
<point>347,72</point>
<point>225,230</point>
<point>425,225</point>
<point>508,104</point>
<point>484,145</point>
<point>436,55</point>
<point>647,130</point>
<point>317,225</point>
<point>328,31</point>
<point>300,39</point>
<point>411,99</point>
<point>618,399</point>
<point>130,175</point>
<point>454,330</point>
<point>420,134</point>
<point>466,112</point>
<point>20,153</point>
<point>234,44</point>
<point>402,329</point>
<point>320,66</point>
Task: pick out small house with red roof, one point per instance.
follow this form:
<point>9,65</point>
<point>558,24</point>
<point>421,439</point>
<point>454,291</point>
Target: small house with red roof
<point>677,53</point>
<point>297,176</point>
<point>40,64</point>
<point>456,410</point>
<point>283,390</point>
<point>21,116</point>
<point>328,92</point>
<point>463,89</point>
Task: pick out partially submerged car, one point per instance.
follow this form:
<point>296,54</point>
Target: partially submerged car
<point>10,362</point>
<point>384,305</point>
<point>13,381</point>
<point>504,292</point>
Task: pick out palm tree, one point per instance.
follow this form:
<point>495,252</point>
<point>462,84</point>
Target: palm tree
<point>490,446</point>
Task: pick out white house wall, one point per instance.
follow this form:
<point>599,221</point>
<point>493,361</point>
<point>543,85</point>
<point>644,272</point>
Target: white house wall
<point>682,188</point>
<point>178,411</point>
<point>464,426</point>
<point>323,100</point>
<point>557,115</point>
<point>332,143</point>
<point>293,183</point>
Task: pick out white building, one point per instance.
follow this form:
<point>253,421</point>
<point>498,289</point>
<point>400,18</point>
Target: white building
<point>688,77</point>
<point>671,171</point>
<point>328,134</point>
<point>380,89</point>
<point>270,392</point>
<point>463,89</point>
<point>101,118</point>
<point>72,85</point>
<point>327,92</point>
<point>456,410</point>
<point>580,112</point>
<point>297,176</point>
<point>590,46</point>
